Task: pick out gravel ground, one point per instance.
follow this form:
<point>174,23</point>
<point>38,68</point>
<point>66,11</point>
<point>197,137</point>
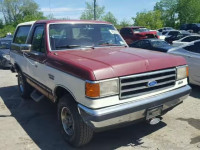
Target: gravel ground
<point>27,125</point>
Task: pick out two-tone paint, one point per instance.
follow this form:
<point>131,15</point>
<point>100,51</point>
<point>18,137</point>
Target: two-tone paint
<point>69,69</point>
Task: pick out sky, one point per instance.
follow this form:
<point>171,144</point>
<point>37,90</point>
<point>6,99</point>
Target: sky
<point>122,9</point>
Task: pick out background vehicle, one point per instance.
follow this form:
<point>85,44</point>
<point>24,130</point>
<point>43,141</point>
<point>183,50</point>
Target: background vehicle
<point>96,80</point>
<point>191,52</point>
<point>5,52</point>
<point>175,35</point>
<point>131,34</point>
<point>194,27</point>
<point>186,40</point>
<point>152,44</point>
<point>165,29</point>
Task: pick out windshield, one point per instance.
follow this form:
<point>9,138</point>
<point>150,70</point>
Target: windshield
<point>198,24</point>
<point>5,44</point>
<point>159,43</point>
<point>140,30</point>
<point>70,36</point>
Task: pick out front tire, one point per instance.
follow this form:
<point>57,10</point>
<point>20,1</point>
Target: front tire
<point>23,86</point>
<point>73,128</point>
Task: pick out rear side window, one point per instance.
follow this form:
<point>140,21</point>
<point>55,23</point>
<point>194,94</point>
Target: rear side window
<point>21,34</point>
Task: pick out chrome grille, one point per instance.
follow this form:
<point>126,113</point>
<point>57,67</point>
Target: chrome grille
<point>137,85</point>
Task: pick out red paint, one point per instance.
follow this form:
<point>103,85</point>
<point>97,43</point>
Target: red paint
<point>105,63</point>
<point>134,36</point>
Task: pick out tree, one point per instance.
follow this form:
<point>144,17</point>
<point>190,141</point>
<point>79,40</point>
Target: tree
<point>7,29</point>
<point>17,11</point>
<point>168,9</point>
<point>150,19</point>
<point>188,11</point>
<point>88,13</point>
<point>109,17</point>
<point>125,23</point>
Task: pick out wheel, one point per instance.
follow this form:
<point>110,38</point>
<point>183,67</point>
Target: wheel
<point>73,128</point>
<point>24,87</point>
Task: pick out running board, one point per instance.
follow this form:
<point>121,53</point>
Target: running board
<point>37,96</point>
<point>41,90</point>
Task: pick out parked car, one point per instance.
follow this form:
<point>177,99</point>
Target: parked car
<point>186,40</point>
<point>191,52</point>
<point>94,78</point>
<point>131,34</point>
<point>5,52</point>
<point>161,36</point>
<point>165,29</point>
<point>194,27</point>
<point>152,44</point>
<point>175,35</point>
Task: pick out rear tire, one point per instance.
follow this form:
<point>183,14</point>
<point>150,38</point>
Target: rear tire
<point>73,128</point>
<point>24,88</point>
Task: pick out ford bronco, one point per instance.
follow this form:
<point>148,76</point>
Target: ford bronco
<point>94,78</point>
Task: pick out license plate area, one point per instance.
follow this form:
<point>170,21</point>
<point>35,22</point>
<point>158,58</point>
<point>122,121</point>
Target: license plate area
<point>154,112</point>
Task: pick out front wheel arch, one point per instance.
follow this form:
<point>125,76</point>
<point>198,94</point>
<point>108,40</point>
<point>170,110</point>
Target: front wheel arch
<point>60,91</point>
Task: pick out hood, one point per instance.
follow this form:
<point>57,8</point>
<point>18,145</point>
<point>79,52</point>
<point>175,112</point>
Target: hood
<point>166,48</point>
<point>105,63</point>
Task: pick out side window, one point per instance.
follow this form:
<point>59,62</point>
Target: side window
<point>187,39</point>
<point>138,44</point>
<point>196,38</point>
<point>194,48</point>
<point>38,39</point>
<point>21,34</point>
<point>146,44</point>
<point>173,33</point>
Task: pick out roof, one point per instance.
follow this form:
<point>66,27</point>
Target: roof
<point>26,23</point>
<point>134,27</point>
<point>72,21</point>
<point>64,21</point>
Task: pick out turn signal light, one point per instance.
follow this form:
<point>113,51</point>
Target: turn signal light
<point>187,71</point>
<point>92,90</point>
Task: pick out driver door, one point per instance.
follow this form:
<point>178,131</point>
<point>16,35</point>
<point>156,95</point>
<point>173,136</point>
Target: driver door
<point>37,56</point>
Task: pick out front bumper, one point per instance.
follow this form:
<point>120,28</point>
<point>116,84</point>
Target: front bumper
<point>132,111</point>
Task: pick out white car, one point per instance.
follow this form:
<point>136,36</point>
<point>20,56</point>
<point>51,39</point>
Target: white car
<point>191,52</point>
<point>186,40</point>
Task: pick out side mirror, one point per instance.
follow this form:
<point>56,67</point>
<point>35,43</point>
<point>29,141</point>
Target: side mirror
<point>25,48</point>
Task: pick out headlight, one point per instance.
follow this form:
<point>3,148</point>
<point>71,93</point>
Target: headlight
<point>6,57</point>
<point>102,88</point>
<point>182,72</point>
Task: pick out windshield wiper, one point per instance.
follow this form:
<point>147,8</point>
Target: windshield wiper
<point>109,44</point>
<point>68,46</point>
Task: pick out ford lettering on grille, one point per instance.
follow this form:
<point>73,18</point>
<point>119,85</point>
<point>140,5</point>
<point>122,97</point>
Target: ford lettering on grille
<point>152,83</point>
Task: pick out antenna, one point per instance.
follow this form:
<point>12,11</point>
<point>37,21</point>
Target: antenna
<point>95,17</point>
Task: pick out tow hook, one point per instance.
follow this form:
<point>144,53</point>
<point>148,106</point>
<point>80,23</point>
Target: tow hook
<point>154,121</point>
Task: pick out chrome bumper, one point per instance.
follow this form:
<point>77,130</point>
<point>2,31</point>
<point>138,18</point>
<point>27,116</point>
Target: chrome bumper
<point>132,111</point>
